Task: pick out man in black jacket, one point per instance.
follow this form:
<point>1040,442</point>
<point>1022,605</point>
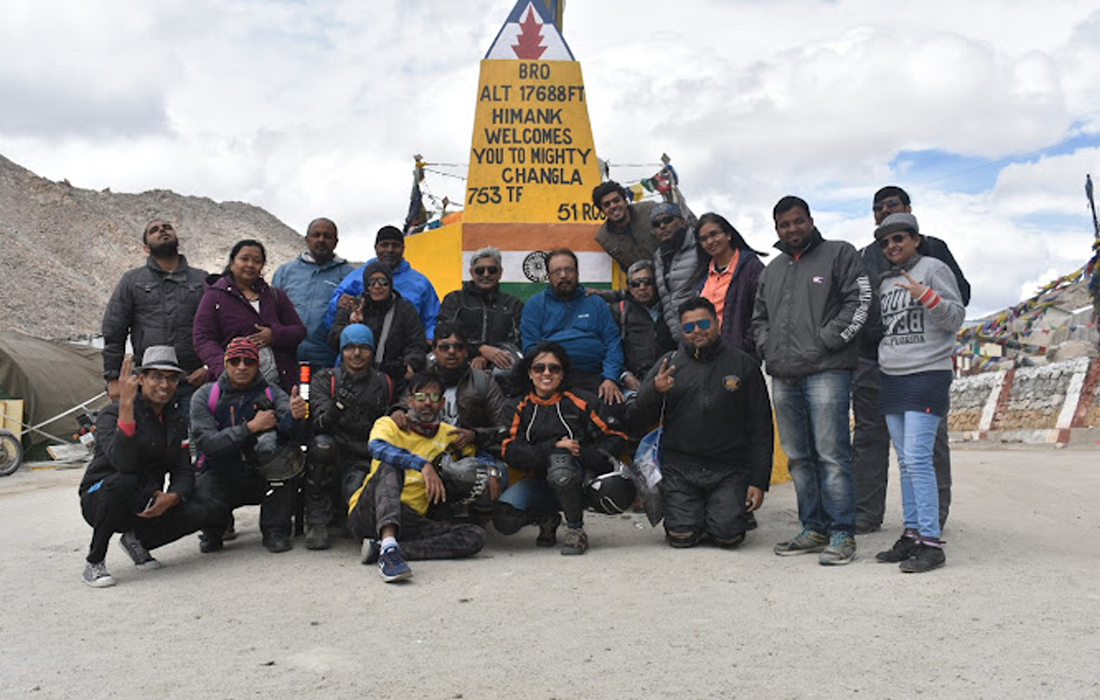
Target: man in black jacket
<point>155,305</point>
<point>714,474</point>
<point>344,403</point>
<point>870,439</point>
<point>487,317</point>
<point>641,321</point>
<point>138,442</point>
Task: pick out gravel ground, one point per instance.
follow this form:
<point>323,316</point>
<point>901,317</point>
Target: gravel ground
<point>1015,614</point>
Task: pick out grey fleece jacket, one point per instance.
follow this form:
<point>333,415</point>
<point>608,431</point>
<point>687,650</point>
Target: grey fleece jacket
<point>919,336</point>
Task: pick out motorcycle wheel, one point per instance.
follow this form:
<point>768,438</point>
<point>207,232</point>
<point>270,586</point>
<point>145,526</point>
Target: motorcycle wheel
<point>11,453</point>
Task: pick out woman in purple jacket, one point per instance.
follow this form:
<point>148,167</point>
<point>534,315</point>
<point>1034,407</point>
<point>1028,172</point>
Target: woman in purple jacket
<point>726,275</point>
<point>238,303</point>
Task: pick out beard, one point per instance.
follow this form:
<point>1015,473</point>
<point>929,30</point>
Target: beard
<point>168,249</point>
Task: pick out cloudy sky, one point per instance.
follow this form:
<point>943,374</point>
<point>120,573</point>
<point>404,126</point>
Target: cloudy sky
<point>987,112</point>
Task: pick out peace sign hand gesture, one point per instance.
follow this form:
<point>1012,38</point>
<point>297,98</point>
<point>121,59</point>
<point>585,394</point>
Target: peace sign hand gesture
<point>664,381</point>
<point>915,288</point>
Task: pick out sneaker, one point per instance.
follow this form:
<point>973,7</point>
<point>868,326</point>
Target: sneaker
<point>368,553</point>
<point>806,542</point>
<point>96,576</point>
<point>905,547</point>
<point>576,541</point>
<point>209,543</point>
<point>138,553</point>
<point>317,537</point>
<point>548,531</point>
<point>276,543</point>
<point>841,550</point>
<point>392,566</point>
<point>926,558</point>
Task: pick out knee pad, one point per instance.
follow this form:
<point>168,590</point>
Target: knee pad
<point>563,471</point>
<point>507,519</point>
<point>322,451</point>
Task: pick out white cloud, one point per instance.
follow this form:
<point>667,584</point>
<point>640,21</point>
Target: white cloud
<point>317,108</point>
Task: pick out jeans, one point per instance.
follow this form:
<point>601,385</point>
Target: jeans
<point>812,415</point>
<point>871,451</point>
<point>913,434</point>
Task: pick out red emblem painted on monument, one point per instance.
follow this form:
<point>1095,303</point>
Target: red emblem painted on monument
<point>528,42</point>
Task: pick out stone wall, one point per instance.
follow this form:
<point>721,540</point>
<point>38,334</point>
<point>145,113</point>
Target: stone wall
<point>1031,404</point>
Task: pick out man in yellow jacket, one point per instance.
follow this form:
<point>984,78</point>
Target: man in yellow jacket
<point>394,499</point>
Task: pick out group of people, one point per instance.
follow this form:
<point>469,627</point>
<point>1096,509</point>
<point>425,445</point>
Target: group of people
<point>422,422</point>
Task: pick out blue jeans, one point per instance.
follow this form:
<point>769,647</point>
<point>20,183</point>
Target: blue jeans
<point>914,434</point>
<point>532,496</point>
<point>812,414</point>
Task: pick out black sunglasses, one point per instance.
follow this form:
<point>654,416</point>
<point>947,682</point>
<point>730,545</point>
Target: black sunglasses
<point>486,270</point>
<point>447,347</point>
<point>541,368</point>
<point>664,220</point>
<point>641,283</point>
<point>893,238</point>
<point>378,282</point>
<point>246,361</point>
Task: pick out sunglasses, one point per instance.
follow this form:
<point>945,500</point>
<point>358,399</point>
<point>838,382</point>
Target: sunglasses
<point>486,270</point>
<point>890,203</point>
<point>433,396</point>
<point>448,347</point>
<point>885,241</point>
<point>246,361</point>
<point>542,368</point>
<point>162,378</point>
<point>664,220</point>
<point>378,282</point>
<point>703,324</point>
<point>641,283</point>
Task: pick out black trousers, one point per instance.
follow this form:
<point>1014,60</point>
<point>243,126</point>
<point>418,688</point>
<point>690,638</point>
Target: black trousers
<point>328,487</point>
<point>222,492</point>
<point>113,507</point>
<point>871,451</point>
<point>420,537</point>
<point>700,500</point>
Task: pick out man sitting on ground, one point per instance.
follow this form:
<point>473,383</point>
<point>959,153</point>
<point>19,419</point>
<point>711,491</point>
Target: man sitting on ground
<point>393,501</point>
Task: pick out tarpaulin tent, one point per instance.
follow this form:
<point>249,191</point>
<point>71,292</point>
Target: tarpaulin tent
<point>51,378</point>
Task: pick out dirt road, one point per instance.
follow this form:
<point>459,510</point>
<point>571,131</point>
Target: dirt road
<point>1015,614</point>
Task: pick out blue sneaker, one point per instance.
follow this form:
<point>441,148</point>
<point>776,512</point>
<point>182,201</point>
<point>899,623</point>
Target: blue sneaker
<point>392,566</point>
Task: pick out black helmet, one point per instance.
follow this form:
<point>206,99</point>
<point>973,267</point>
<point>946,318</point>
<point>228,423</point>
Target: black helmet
<point>274,460</point>
<point>465,479</point>
<point>611,493</point>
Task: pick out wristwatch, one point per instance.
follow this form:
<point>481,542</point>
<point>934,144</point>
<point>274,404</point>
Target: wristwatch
<point>494,473</point>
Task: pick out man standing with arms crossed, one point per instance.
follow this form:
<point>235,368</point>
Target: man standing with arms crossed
<point>155,305</point>
<point>810,307</point>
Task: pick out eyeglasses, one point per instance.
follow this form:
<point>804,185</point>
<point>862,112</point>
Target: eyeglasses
<point>543,368</point>
<point>893,238</point>
<point>378,282</point>
<point>645,282</point>
<point>433,396</point>
<point>158,228</point>
<point>703,324</point>
<point>162,378</point>
<point>889,203</point>
<point>561,271</point>
<point>246,361</point>
<point>664,220</point>
<point>448,347</point>
<point>486,270</point>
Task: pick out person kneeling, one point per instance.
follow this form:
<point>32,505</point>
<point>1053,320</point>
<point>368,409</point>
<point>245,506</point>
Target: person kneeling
<point>556,437</point>
<point>393,501</point>
<point>713,474</point>
<point>239,423</point>
<point>138,441</point>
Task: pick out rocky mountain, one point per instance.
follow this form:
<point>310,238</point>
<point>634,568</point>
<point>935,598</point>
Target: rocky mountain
<point>63,249</point>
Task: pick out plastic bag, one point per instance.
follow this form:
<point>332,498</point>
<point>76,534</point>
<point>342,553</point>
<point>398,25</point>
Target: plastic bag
<point>646,474</point>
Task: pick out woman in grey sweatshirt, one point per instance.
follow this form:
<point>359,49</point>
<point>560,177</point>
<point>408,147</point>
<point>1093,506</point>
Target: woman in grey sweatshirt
<point>922,311</point>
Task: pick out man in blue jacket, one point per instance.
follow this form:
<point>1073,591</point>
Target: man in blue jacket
<point>309,280</point>
<point>582,324</point>
<point>389,246</point>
